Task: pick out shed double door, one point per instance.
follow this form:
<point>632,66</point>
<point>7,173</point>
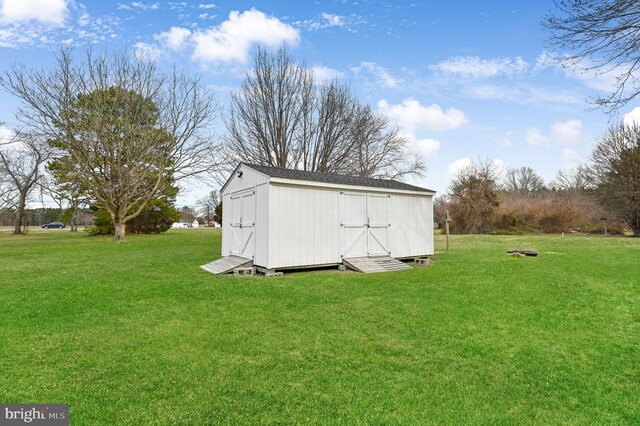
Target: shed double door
<point>364,224</point>
<point>243,218</point>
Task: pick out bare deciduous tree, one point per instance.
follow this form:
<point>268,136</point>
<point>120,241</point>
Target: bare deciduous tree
<point>574,180</point>
<point>128,129</point>
<point>267,114</point>
<point>22,160</point>
<point>380,151</point>
<point>603,36</point>
<point>474,197</point>
<point>524,181</point>
<point>614,171</point>
<point>7,191</point>
<point>206,206</point>
<point>282,118</point>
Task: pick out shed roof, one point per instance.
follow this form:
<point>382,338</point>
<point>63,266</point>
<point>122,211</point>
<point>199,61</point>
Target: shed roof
<point>334,178</point>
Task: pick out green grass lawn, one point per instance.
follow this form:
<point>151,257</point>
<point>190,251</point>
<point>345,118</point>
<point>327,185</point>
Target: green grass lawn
<point>136,333</point>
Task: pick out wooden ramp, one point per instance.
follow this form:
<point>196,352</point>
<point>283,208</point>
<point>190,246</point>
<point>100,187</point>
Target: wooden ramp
<point>227,264</point>
<point>370,265</point>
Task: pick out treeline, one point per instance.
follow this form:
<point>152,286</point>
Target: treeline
<point>484,199</point>
<point>40,216</point>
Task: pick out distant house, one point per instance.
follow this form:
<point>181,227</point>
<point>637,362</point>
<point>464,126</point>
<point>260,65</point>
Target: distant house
<point>195,223</point>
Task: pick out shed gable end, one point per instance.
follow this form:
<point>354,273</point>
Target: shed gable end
<point>243,177</point>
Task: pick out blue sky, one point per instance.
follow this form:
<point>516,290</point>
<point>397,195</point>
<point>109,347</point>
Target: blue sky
<point>464,80</point>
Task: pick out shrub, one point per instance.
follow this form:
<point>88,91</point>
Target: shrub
<point>155,218</point>
<point>514,223</point>
<point>560,218</point>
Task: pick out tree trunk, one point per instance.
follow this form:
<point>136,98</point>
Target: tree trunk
<point>635,226</point>
<point>120,231</point>
<point>20,214</point>
<point>74,218</point>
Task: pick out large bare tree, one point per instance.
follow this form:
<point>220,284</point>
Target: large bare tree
<point>523,180</point>
<point>282,117</point>
<point>614,171</point>
<point>601,36</point>
<point>22,160</point>
<point>127,129</point>
<point>380,150</point>
<point>265,122</point>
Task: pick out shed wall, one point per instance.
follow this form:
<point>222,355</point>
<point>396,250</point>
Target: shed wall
<point>250,180</point>
<point>411,232</point>
<point>303,227</point>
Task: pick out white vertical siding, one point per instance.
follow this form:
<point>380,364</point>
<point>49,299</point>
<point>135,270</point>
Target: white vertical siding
<point>250,180</point>
<point>298,225</point>
<point>411,232</point>
<point>303,226</point>
<point>226,228</point>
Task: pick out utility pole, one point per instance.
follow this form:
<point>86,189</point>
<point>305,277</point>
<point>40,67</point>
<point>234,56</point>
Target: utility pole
<point>446,227</point>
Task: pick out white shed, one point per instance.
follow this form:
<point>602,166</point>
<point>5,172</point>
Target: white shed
<point>282,218</point>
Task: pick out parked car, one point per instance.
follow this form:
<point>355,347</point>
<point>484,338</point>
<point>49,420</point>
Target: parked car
<point>53,225</point>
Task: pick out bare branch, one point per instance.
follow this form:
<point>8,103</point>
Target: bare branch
<point>602,36</point>
<point>282,118</point>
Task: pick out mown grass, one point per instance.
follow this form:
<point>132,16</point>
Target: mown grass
<point>136,333</point>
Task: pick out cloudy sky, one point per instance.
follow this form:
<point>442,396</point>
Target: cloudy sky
<point>464,80</point>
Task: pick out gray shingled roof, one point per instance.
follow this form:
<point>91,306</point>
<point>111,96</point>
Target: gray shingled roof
<point>334,178</point>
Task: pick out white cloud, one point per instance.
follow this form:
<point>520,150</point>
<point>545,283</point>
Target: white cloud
<point>567,132</point>
<point>145,6</point>
<point>603,80</point>
<point>535,137</point>
<point>544,61</point>
<point>505,142</point>
<point>177,5</point>
<point>425,147</point>
<point>411,116</point>
<point>147,52</point>
<point>632,117</point>
<point>572,157</point>
<point>232,40</point>
<point>379,73</point>
<point>7,38</point>
<point>328,20</point>
<point>457,165</point>
<point>5,134</point>
<point>323,73</point>
<point>476,67</point>
<point>174,39</point>
<point>206,6</point>
<point>333,20</point>
<point>52,12</point>
<point>84,19</point>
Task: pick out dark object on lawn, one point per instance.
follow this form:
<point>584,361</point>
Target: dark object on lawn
<point>523,252</point>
